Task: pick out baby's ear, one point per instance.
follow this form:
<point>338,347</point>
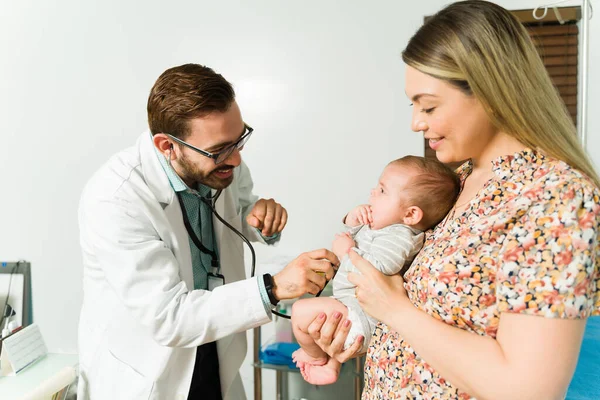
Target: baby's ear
<point>413,215</point>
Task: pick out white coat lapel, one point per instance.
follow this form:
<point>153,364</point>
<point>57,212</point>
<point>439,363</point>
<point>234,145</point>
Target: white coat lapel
<point>181,242</point>
<point>172,231</point>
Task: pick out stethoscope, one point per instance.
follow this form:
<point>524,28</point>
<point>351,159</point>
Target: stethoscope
<point>210,201</point>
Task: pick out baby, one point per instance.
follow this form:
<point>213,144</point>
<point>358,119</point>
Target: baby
<point>413,195</point>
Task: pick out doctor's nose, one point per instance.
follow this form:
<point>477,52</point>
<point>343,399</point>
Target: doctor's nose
<point>234,159</point>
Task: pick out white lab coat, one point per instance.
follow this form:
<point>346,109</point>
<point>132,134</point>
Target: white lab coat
<point>141,321</point>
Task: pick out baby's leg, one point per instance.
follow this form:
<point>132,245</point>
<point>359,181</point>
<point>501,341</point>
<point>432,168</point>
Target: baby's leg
<point>316,367</point>
<point>303,314</point>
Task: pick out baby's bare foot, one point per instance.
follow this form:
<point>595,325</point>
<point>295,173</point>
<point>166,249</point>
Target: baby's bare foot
<point>321,374</point>
<point>300,357</point>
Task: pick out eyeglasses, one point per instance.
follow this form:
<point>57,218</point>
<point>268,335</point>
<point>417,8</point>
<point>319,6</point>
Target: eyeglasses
<point>226,152</point>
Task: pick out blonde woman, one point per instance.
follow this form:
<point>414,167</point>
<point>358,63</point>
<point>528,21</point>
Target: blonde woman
<point>495,305</point>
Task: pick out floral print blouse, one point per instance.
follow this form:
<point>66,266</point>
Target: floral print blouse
<point>527,243</point>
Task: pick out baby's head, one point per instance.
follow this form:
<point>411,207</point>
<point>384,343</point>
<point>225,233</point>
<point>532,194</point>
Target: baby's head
<point>414,191</point>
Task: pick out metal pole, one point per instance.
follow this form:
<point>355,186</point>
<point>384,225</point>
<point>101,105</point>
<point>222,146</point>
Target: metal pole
<point>257,369</point>
<point>357,378</point>
<point>583,93</point>
<point>279,385</point>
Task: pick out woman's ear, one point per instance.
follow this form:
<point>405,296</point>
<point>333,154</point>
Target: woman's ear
<point>413,216</point>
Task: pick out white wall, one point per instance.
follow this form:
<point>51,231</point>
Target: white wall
<point>320,81</point>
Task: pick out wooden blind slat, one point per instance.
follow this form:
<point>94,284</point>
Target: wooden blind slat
<point>562,70</point>
<point>567,90</point>
<point>546,51</point>
<point>570,100</point>
<point>559,61</point>
<point>553,30</point>
<point>564,80</point>
<point>561,40</point>
<point>572,109</point>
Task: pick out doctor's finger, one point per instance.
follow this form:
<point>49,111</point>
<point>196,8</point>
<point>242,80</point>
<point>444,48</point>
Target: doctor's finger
<point>317,278</point>
<point>322,266</point>
<point>324,254</point>
<point>269,216</point>
<point>311,288</point>
<point>283,222</point>
<point>258,213</point>
<point>276,220</point>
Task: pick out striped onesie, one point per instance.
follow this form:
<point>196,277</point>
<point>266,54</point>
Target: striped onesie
<point>388,249</point>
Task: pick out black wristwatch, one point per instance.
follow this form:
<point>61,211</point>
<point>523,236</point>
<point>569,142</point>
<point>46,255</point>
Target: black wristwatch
<point>270,285</point>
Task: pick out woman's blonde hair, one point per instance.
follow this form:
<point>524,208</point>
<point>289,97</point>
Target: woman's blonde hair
<point>482,49</point>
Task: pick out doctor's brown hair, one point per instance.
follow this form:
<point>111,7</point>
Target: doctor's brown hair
<point>183,93</point>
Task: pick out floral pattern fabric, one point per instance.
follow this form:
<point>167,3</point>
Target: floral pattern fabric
<point>527,243</point>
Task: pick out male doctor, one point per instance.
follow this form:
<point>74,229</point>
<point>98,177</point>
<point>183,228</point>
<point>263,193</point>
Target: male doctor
<point>166,301</point>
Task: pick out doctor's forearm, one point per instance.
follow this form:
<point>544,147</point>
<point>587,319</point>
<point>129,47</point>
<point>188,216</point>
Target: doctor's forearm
<point>200,317</point>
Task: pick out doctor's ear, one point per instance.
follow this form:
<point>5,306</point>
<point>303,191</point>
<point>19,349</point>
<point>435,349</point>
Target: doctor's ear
<point>164,145</point>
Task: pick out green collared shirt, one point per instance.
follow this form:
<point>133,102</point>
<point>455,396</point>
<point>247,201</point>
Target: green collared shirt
<point>200,218</point>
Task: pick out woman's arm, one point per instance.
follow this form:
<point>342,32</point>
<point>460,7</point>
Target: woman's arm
<point>532,357</point>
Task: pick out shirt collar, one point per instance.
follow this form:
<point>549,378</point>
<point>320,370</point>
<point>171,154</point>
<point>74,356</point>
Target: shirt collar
<point>517,161</point>
<point>507,163</point>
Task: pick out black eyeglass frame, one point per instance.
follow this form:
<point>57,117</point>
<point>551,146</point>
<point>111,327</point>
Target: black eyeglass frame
<point>223,154</point>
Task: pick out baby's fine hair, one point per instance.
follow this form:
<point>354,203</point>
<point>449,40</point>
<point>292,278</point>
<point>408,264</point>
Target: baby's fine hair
<point>434,188</point>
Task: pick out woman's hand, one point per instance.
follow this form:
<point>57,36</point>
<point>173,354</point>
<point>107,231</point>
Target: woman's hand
<point>380,295</point>
<point>330,333</point>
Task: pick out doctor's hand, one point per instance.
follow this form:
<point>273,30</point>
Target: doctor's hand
<point>268,216</point>
<point>308,273</point>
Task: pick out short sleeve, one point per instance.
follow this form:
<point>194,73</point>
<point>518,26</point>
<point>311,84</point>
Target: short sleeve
<point>549,261</point>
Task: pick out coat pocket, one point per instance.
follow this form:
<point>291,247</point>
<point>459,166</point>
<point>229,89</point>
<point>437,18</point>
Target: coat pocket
<point>118,380</point>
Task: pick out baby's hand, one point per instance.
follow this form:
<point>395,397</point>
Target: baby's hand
<point>360,215</point>
<point>342,244</point>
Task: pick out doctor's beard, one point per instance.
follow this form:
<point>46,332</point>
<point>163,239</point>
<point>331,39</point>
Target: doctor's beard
<point>194,174</point>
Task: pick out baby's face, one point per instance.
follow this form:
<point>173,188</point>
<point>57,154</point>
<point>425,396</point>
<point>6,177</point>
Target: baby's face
<point>386,199</point>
